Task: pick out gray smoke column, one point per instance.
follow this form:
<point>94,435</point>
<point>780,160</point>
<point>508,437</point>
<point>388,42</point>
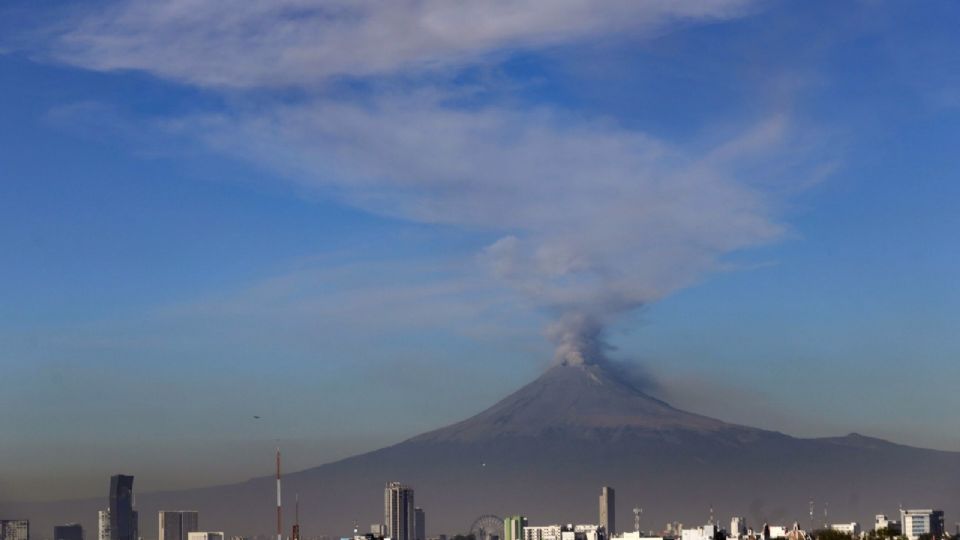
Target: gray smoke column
<point>579,340</point>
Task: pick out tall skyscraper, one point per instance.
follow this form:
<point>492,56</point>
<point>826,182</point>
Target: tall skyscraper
<point>14,529</point>
<point>608,511</point>
<point>513,527</point>
<point>738,527</point>
<point>419,524</point>
<point>103,525</point>
<point>398,511</point>
<point>123,518</point>
<point>177,525</point>
<point>73,531</point>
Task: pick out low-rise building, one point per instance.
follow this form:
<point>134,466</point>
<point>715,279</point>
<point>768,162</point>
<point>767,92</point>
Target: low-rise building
<point>884,523</point>
<point>706,532</point>
<point>563,532</point>
<point>14,529</point>
<point>72,531</point>
<point>853,529</point>
<point>204,535</point>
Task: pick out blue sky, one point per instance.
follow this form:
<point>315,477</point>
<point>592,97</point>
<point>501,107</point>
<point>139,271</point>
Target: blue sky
<point>283,216</point>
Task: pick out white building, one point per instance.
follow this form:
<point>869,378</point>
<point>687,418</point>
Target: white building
<point>882,522</point>
<point>776,531</point>
<point>103,525</point>
<point>563,532</point>
<point>14,529</point>
<point>635,535</point>
<point>707,532</point>
<point>853,529</point>
<point>738,527</point>
<point>204,535</point>
<point>398,511</point>
<point>915,523</point>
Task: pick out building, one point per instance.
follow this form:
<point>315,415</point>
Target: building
<point>14,529</point>
<point>398,511</point>
<point>419,524</point>
<point>914,523</point>
<point>584,532</point>
<point>200,535</point>
<point>103,525</point>
<point>378,530</point>
<point>564,532</point>
<point>774,531</point>
<point>513,527</point>
<point>882,522</point>
<point>545,532</point>
<point>608,511</point>
<point>738,527</point>
<point>177,525</point>
<point>853,529</point>
<point>72,531</point>
<point>637,535</point>
<point>124,522</point>
<point>707,532</point>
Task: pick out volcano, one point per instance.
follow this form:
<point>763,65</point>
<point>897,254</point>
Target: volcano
<point>545,451</point>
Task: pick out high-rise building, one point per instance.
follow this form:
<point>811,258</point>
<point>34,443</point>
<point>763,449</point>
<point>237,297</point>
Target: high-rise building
<point>72,531</point>
<point>124,522</point>
<point>419,524</point>
<point>398,511</point>
<point>14,529</point>
<point>914,523</point>
<point>608,511</point>
<point>513,527</point>
<point>378,529</point>
<point>103,525</point>
<point>177,525</point>
<point>738,527</point>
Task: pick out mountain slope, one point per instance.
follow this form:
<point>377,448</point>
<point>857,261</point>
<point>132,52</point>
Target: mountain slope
<point>581,400</point>
<point>545,451</point>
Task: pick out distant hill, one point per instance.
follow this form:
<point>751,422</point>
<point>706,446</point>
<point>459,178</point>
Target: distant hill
<point>546,450</point>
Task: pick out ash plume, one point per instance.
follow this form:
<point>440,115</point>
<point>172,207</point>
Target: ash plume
<point>579,340</point>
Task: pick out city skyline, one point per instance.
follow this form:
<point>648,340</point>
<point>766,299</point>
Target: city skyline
<point>914,524</point>
<point>333,227</point>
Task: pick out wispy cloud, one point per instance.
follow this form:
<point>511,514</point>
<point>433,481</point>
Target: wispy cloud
<point>593,218</point>
<point>240,43</point>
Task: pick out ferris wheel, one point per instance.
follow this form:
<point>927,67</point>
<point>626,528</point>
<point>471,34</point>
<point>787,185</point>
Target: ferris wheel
<point>487,527</point>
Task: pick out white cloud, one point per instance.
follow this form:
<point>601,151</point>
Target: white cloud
<point>595,219</point>
<point>258,43</point>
